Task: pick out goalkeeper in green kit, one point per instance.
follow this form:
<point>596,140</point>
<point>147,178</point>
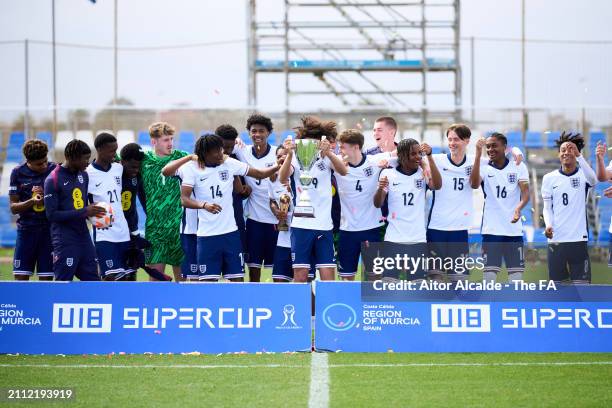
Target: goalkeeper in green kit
<point>163,202</point>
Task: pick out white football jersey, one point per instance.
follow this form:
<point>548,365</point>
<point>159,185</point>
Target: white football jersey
<point>189,219</point>
<point>406,197</point>
<point>105,186</point>
<point>452,207</point>
<point>356,190</point>
<point>320,195</point>
<point>257,205</point>
<point>215,185</point>
<point>502,195</point>
<point>568,193</point>
<point>275,190</point>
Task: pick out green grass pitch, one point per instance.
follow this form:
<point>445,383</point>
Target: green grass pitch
<point>354,380</point>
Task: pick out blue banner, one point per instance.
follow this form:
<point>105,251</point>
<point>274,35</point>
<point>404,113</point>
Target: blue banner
<point>140,317</point>
<point>573,319</point>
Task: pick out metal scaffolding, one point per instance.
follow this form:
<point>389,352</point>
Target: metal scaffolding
<point>368,54</point>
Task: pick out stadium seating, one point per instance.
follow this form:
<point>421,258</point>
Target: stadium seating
<point>533,140</point>
<point>186,140</point>
<point>124,137</point>
<point>244,136</point>
<point>16,139</point>
<point>46,137</point>
<point>515,139</point>
<point>13,154</point>
<point>87,136</point>
<point>5,179</point>
<point>8,236</point>
<point>63,137</point>
<point>551,138</point>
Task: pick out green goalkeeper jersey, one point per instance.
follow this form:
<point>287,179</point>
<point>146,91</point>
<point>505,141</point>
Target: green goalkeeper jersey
<point>163,198</point>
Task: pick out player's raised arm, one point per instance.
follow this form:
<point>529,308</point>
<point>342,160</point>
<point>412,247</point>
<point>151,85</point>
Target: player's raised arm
<point>17,206</point>
<point>336,162</point>
<point>286,169</point>
<point>547,212</point>
<point>262,173</point>
<point>435,180</point>
<point>170,169</point>
<point>524,186</point>
<point>381,192</point>
<point>603,174</point>
<point>475,179</point>
<point>586,167</point>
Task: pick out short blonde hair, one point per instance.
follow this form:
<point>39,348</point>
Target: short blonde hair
<point>159,129</point>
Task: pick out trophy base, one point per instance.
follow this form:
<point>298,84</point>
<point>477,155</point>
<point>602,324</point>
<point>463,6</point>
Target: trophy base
<point>303,211</point>
<point>282,228</point>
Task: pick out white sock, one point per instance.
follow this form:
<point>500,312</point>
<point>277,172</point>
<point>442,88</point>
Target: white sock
<point>489,277</point>
<point>515,276</point>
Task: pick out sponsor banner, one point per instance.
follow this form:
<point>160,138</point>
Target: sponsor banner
<point>140,317</point>
<point>469,321</point>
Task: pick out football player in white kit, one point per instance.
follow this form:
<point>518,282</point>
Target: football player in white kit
<point>105,183</point>
<point>360,221</point>
<point>210,192</point>
<point>565,193</point>
<point>261,234</point>
<point>506,190</point>
<point>405,187</point>
<point>311,237</point>
<point>452,211</point>
<point>605,174</point>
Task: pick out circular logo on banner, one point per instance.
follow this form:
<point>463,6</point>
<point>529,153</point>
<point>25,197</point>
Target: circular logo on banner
<point>339,317</point>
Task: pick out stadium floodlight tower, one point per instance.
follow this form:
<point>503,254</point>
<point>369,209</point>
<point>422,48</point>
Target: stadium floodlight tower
<point>360,56</point>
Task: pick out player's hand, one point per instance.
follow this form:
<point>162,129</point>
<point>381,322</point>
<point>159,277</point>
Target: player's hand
<point>37,194</point>
<point>424,148</point>
<point>516,216</point>
<point>289,144</point>
<point>194,157</point>
<point>246,191</point>
<point>572,147</point>
<point>94,210</point>
<point>548,232</point>
<point>518,158</point>
<point>212,208</point>
<point>239,143</point>
<point>383,164</point>
<point>600,152</point>
<point>324,146</point>
<point>608,192</point>
<point>383,183</point>
<point>480,143</point>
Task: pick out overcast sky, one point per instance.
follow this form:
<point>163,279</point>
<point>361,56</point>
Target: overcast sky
<point>216,76</point>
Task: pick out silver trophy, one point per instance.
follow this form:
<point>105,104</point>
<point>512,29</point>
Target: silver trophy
<point>306,151</point>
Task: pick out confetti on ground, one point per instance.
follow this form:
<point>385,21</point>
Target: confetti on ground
<point>523,218</point>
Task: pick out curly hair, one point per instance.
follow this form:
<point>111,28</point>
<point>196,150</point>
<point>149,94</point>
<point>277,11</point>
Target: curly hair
<point>259,119</point>
<point>315,128</point>
<point>575,138</point>
<point>35,149</point>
